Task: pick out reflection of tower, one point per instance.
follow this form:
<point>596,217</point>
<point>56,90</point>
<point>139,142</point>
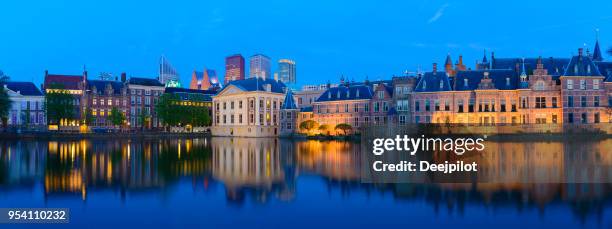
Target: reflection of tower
<point>288,162</point>
<point>246,163</point>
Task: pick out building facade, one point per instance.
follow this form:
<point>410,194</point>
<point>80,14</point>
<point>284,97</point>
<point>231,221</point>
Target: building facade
<point>248,108</point>
<point>234,68</point>
<point>100,99</point>
<point>260,67</point>
<point>286,71</point>
<point>143,95</point>
<point>204,80</point>
<point>27,108</point>
<point>289,113</point>
<point>74,85</point>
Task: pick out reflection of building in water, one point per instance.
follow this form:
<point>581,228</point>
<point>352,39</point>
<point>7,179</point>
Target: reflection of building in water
<point>336,160</point>
<point>21,163</point>
<point>244,163</point>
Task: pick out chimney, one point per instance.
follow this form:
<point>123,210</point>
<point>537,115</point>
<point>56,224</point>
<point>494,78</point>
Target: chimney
<point>123,78</point>
<point>579,51</point>
<point>435,68</point>
<point>460,60</point>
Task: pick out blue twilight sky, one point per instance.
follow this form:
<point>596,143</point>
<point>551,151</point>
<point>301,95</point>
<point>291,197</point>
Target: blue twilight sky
<point>377,39</point>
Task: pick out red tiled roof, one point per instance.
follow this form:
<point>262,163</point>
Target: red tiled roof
<point>68,81</point>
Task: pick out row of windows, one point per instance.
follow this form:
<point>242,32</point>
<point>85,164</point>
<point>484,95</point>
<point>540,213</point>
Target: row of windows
<point>233,104</point>
<point>584,101</point>
<point>365,107</point>
<point>582,84</point>
<point>270,119</point>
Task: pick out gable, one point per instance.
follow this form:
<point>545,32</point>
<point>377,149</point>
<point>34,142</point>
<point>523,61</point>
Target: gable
<point>229,90</point>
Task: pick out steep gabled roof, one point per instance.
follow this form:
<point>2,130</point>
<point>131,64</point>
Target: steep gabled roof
<point>605,68</point>
<point>145,81</point>
<point>24,88</point>
<point>69,82</point>
<point>289,102</point>
<point>191,94</point>
<point>342,92</point>
<point>257,84</point>
<point>554,65</point>
<point>430,82</point>
<point>498,76</point>
<point>581,65</point>
<point>100,86</point>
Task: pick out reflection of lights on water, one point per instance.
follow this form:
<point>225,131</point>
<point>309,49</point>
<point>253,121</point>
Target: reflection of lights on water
<point>179,149</point>
<point>129,151</point>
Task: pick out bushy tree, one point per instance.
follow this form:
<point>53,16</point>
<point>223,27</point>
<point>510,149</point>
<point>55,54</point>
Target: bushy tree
<point>309,125</point>
<point>117,117</point>
<point>324,128</point>
<point>59,104</point>
<point>344,127</point>
<point>173,113</point>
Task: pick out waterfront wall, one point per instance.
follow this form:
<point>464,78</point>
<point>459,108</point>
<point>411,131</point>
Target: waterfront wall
<point>377,131</point>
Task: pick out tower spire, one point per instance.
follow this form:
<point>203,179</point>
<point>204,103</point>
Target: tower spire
<point>597,51</point>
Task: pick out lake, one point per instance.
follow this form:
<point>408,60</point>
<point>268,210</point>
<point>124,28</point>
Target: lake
<point>266,182</point>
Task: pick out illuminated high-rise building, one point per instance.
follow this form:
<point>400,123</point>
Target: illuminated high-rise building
<point>234,68</point>
<point>286,71</point>
<point>167,73</point>
<point>260,67</point>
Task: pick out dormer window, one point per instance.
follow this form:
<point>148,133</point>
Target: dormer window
<point>589,69</point>
<point>424,85</point>
<point>465,82</point>
<point>441,84</point>
<point>329,95</point>
<point>348,93</point>
<point>576,69</point>
<point>338,94</point>
<point>357,94</point>
<point>507,81</point>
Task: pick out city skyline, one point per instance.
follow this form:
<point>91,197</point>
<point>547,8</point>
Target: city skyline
<point>346,43</point>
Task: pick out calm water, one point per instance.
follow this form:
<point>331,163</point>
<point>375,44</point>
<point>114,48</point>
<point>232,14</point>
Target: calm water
<point>214,182</point>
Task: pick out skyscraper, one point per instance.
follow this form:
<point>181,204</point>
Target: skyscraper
<point>167,73</point>
<point>260,66</point>
<point>234,68</point>
<point>286,71</point>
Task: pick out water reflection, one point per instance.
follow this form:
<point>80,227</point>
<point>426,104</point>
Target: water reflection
<point>265,170</point>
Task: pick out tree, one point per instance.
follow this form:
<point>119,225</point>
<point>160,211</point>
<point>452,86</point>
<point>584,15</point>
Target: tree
<point>324,128</point>
<point>344,127</point>
<point>117,117</point>
<point>59,105</point>
<point>309,125</point>
<point>89,118</point>
<point>5,101</point>
<point>167,110</point>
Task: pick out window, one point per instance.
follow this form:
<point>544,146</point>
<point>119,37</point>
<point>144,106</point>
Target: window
<point>376,107</point>
<point>460,106</point>
<point>570,84</point>
<point>595,84</point>
<point>381,94</point>
<point>465,82</point>
<point>240,118</point>
<point>554,102</point>
<point>502,105</point>
<point>583,101</point>
<point>524,102</point>
<point>427,105</point>
<point>417,106</point>
<point>346,108</point>
<point>570,118</point>
<point>582,84</point>
<point>507,81</point>
<point>540,102</point>
<point>441,84</point>
<point>570,101</point>
<point>402,119</point>
<point>366,107</point>
<point>232,105</point>
<point>240,104</point>
<point>596,101</point>
<point>356,107</point>
<point>385,106</point>
<point>437,105</point>
<point>447,105</point>
<point>539,85</point>
<point>596,118</point>
<point>471,105</point>
<point>583,118</point>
